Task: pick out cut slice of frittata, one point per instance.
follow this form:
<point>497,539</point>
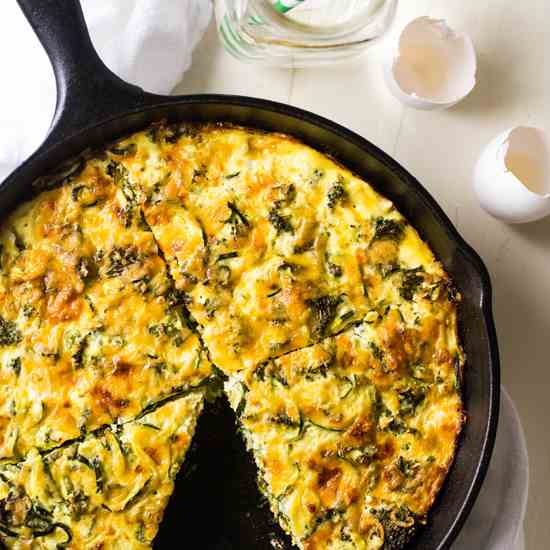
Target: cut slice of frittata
<point>245,243</point>
<point>107,491</point>
<point>275,245</point>
<point>92,330</point>
<point>353,436</point>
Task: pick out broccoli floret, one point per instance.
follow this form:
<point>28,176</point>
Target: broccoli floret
<point>280,223</point>
<point>410,398</point>
<point>411,281</point>
<point>387,229</point>
<point>9,333</point>
<point>119,259</point>
<point>337,194</point>
<point>397,537</point>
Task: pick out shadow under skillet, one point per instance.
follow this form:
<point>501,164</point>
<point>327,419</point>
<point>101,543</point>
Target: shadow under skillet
<point>216,504</point>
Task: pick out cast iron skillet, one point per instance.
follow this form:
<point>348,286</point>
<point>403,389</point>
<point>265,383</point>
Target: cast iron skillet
<point>218,502</point>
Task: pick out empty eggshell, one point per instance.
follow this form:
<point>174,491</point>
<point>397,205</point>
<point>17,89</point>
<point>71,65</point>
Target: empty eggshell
<point>512,175</point>
<point>431,66</point>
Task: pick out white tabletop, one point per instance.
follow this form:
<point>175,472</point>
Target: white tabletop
<point>440,148</point>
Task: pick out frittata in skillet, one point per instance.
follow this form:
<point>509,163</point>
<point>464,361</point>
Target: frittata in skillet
<point>332,322</point>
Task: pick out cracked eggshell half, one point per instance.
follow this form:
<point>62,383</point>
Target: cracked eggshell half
<point>512,175</point>
<point>430,66</point>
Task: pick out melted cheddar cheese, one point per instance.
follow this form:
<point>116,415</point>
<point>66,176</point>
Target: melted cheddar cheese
<point>182,247</point>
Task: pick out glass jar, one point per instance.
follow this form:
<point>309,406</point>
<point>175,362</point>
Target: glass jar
<point>299,33</point>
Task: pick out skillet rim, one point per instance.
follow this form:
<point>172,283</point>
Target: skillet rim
<point>155,102</point>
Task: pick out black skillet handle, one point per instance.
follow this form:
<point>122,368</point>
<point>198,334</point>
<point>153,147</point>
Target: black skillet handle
<point>87,91</point>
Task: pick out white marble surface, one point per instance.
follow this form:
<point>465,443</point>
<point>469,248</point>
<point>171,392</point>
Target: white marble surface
<point>513,43</point>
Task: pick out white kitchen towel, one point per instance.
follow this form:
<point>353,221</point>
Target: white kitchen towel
<point>149,43</point>
<point>146,42</point>
<point>496,520</point>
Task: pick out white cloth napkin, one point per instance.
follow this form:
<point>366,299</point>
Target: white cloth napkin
<point>149,43</point>
<point>146,42</point>
<point>496,520</point>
